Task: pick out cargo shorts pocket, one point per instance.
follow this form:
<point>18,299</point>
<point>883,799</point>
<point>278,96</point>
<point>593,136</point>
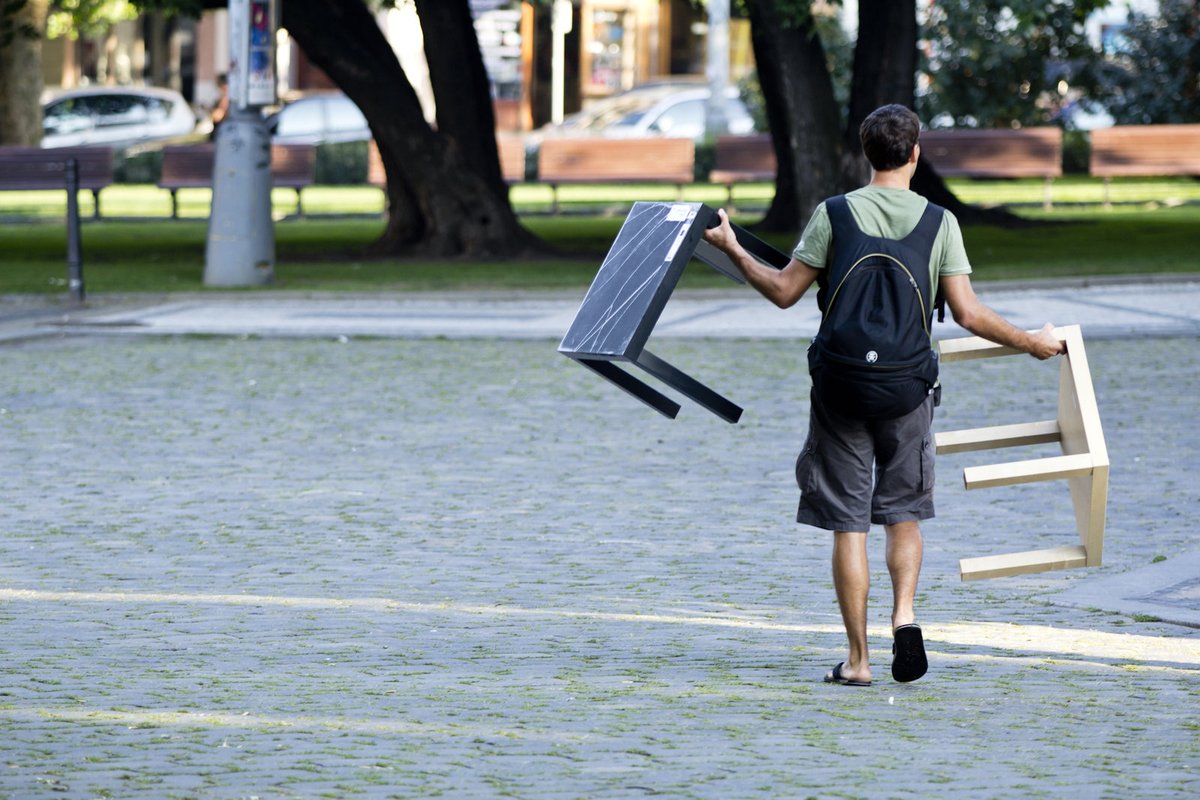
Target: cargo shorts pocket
<point>806,465</point>
<point>927,452</point>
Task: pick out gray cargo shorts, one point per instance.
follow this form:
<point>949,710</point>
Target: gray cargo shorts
<point>853,473</point>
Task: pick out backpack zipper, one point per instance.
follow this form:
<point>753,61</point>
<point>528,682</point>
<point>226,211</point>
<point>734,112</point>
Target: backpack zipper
<point>912,281</point>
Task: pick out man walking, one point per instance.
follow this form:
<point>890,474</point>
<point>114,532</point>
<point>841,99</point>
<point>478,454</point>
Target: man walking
<point>869,453</point>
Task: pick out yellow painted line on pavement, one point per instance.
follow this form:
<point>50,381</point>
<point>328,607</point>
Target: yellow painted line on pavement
<point>1004,636</point>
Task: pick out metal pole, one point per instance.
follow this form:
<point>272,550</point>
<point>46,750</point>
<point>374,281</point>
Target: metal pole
<point>240,250</point>
<point>560,26</point>
<point>74,240</point>
<point>716,121</point>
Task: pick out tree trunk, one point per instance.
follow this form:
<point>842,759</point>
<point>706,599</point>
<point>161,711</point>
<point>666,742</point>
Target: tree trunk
<point>456,73</point>
<point>885,65</point>
<point>801,111</point>
<point>21,31</point>
<point>885,68</point>
<point>437,204</point>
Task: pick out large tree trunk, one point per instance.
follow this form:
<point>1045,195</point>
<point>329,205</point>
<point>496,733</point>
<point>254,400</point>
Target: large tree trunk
<point>438,205</point>
<point>456,73</point>
<point>885,68</point>
<point>801,111</point>
<point>21,31</point>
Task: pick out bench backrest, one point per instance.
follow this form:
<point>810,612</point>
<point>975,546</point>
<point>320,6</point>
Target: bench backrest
<point>1145,150</point>
<point>186,165</point>
<point>510,148</point>
<point>293,165</point>
<point>191,165</point>
<point>995,153</point>
<point>745,155</point>
<point>613,160</point>
<point>512,158</point>
<point>38,168</point>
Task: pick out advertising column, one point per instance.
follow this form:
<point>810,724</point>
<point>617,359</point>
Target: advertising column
<point>241,238</point>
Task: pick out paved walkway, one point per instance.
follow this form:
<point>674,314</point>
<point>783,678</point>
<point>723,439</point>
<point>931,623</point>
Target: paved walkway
<point>1105,310</point>
<point>342,566</point>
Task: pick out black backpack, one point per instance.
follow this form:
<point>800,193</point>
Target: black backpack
<point>872,357</point>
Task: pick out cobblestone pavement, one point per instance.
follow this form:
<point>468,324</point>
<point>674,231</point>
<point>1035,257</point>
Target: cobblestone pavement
<point>237,567</point>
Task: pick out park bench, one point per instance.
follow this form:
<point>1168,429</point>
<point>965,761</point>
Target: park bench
<point>742,159</point>
<point>998,153</point>
<point>647,160</point>
<point>29,168</point>
<point>1144,151</point>
<point>510,148</point>
<point>190,166</point>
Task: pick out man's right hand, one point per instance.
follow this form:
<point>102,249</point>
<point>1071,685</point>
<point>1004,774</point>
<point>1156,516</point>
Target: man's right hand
<point>722,237</point>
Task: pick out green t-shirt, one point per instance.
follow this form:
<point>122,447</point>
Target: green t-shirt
<point>892,214</point>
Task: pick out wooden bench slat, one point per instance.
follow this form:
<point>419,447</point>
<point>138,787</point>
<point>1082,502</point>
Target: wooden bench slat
<point>743,158</point>
<point>28,168</point>
<point>647,160</point>
<point>190,166</point>
<point>511,150</point>
<point>990,153</point>
<point>1145,151</point>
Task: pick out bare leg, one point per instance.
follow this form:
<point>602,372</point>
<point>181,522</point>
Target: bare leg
<point>904,553</point>
<point>852,580</point>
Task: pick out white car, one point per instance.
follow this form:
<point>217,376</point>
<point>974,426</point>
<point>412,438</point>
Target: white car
<point>667,108</point>
<point>322,118</point>
<point>115,116</point>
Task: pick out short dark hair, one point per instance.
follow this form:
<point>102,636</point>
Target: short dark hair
<point>888,135</point>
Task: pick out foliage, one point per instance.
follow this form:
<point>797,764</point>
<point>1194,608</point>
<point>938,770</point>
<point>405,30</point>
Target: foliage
<point>74,17</point>
<point>992,63</point>
<point>1154,77</point>
<point>839,56</point>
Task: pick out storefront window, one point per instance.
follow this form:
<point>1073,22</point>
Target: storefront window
<point>611,50</point>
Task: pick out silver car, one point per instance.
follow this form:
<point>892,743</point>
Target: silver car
<point>671,108</point>
<point>321,118</point>
<point>115,116</point>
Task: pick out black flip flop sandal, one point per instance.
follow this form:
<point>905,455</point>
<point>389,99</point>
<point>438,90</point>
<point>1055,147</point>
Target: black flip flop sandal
<point>836,677</point>
<point>908,649</point>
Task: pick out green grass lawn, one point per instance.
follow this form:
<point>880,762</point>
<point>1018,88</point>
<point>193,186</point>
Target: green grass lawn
<point>137,248</point>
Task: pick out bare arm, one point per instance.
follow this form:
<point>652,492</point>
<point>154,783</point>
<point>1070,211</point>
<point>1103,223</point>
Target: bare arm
<point>782,287</point>
<point>980,320</point>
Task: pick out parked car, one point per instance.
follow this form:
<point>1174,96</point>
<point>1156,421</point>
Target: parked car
<point>115,116</point>
<point>663,108</point>
<point>319,119</point>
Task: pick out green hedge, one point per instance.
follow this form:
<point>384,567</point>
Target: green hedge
<point>137,166</point>
<point>342,164</point>
<point>1077,150</point>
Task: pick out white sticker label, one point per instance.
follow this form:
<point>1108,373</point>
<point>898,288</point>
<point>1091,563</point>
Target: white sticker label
<point>679,212</point>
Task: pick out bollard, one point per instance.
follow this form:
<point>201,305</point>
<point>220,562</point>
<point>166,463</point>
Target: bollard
<point>74,240</point>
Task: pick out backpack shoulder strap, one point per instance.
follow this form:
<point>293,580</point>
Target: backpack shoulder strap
<point>921,239</point>
<point>923,236</point>
<point>840,217</point>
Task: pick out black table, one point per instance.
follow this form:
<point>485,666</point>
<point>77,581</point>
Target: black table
<point>632,287</point>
